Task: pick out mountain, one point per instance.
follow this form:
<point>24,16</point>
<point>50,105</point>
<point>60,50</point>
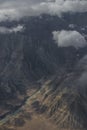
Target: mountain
<point>31,57</point>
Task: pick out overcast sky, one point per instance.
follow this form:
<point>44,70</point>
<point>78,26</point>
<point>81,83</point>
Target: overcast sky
<point>16,9</point>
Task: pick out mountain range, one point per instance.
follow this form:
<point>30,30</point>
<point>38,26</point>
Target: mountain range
<point>33,63</point>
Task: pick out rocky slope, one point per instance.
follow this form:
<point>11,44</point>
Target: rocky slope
<point>63,103</point>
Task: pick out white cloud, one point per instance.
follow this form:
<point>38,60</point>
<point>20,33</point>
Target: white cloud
<point>5,30</point>
<point>19,28</point>
<point>58,7</point>
<point>19,8</point>
<point>69,38</point>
